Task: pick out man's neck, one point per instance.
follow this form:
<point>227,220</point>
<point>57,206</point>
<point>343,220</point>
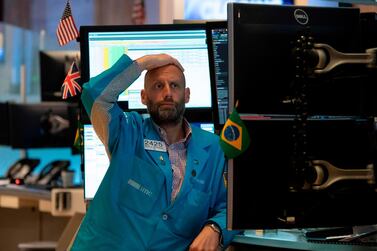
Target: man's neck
<point>174,132</point>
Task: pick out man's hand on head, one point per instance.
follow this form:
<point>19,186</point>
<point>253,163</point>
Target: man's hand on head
<point>150,62</point>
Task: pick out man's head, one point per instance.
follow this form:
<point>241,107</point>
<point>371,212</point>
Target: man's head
<point>165,94</point>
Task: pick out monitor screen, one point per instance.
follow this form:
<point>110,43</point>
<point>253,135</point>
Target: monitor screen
<point>217,34</point>
<point>263,65</point>
<point>313,167</point>
<point>102,46</point>
<point>95,162</point>
<point>273,191</point>
<point>39,125</point>
<point>54,66</point>
<point>216,10</point>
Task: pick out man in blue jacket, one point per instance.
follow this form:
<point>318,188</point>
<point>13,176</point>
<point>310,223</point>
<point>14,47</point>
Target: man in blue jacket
<point>164,189</point>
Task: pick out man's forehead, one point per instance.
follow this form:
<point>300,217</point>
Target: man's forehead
<point>167,71</point>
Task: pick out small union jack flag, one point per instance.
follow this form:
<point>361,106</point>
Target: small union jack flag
<point>71,86</point>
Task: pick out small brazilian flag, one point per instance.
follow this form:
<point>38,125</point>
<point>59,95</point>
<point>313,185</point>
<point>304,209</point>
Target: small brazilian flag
<point>234,138</point>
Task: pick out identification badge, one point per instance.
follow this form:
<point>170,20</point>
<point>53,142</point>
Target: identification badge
<point>154,145</point>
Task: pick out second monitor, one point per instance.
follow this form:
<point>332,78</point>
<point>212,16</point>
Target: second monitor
<point>217,38</point>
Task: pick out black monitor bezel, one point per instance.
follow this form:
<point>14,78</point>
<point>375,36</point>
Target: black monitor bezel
<point>5,124</point>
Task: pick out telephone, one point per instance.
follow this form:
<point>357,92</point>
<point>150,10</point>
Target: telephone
<point>50,174</point>
<point>20,170</point>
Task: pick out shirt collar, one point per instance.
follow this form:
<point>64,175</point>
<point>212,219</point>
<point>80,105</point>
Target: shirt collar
<point>186,127</point>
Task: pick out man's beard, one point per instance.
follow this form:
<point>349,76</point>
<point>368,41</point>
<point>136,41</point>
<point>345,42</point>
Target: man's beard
<point>166,116</point>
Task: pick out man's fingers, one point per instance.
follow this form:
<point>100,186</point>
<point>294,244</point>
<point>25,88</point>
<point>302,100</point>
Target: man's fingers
<point>178,64</point>
<point>167,59</point>
<point>149,62</point>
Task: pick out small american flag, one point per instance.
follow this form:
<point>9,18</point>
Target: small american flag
<point>71,85</point>
<point>138,12</point>
<point>67,29</point>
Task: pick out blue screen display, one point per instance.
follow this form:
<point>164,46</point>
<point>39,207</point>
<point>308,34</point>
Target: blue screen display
<point>216,9</point>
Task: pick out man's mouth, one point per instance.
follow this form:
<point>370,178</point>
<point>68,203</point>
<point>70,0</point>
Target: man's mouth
<point>167,104</point>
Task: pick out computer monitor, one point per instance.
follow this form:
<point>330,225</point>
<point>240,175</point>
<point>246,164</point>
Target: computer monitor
<point>217,37</point>
<point>95,161</point>
<point>54,66</point>
<point>40,125</point>
<point>102,46</point>
<point>216,10</point>
<point>4,124</point>
<point>301,170</point>
<point>263,64</point>
<point>271,192</point>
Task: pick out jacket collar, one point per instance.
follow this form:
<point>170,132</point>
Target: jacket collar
<point>197,156</point>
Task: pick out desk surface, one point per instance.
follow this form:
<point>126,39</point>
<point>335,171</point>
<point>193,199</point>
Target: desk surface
<point>292,239</point>
<point>23,192</point>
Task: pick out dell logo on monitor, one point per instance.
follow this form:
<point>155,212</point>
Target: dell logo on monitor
<point>301,16</point>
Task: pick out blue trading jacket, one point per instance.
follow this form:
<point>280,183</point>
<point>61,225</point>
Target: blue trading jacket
<point>132,209</point>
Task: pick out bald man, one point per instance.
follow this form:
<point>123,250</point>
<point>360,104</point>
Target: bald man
<point>164,188</point>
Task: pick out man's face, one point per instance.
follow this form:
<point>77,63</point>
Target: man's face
<point>165,94</point>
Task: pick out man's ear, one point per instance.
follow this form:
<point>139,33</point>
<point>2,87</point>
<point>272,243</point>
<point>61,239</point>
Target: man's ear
<point>143,97</point>
<point>187,95</point>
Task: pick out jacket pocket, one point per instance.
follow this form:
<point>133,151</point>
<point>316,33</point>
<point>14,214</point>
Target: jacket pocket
<point>141,189</point>
<point>193,212</point>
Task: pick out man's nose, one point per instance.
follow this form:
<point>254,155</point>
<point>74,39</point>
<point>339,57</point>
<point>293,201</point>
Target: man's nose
<point>167,91</point>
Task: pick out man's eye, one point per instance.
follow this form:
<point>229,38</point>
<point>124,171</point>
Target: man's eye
<point>173,85</point>
<point>158,86</point>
